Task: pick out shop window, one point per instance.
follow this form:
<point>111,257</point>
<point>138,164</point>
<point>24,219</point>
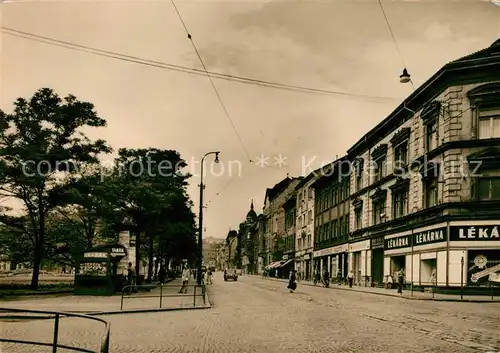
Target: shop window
<point>477,276</point>
<point>488,188</point>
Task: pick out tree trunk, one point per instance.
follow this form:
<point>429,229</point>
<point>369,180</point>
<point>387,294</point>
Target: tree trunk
<point>37,263</point>
<point>138,256</point>
<point>39,253</point>
<point>150,257</point>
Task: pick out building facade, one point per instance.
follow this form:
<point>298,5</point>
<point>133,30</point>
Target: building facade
<point>331,220</point>
<point>288,240</point>
<point>250,238</point>
<point>426,182</point>
<point>274,214</point>
<point>304,229</point>
<point>231,250</point>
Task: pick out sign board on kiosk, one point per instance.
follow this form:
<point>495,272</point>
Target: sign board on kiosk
<point>97,270</point>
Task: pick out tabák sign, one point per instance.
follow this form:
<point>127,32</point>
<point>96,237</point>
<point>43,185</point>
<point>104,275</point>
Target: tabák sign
<point>475,233</point>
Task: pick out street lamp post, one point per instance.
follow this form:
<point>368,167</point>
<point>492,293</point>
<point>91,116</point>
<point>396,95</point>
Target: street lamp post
<point>200,216</point>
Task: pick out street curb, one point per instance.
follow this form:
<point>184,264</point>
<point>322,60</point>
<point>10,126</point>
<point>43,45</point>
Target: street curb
<point>16,295</point>
<point>141,311</point>
<point>396,296</point>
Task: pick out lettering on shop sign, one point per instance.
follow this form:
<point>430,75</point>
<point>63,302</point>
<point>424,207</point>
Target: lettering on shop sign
<point>396,243</point>
<point>377,242</point>
<point>475,233</point>
<point>96,254</point>
<point>430,236</point>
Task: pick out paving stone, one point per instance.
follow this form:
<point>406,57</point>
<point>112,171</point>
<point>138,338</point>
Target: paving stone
<point>259,316</point>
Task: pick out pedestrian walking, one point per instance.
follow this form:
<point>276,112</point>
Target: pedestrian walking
<point>350,278</point>
<point>162,274</point>
<point>131,278</point>
<point>209,276</point>
<point>326,278</point>
<point>317,276</point>
<point>401,281</point>
<point>185,279</point>
<point>292,285</point>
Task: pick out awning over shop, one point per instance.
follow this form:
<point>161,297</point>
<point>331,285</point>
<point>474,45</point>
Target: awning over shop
<point>286,263</point>
<point>275,265</point>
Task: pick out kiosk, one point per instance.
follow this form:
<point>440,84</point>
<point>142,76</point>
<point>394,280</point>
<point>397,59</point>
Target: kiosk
<point>97,270</point>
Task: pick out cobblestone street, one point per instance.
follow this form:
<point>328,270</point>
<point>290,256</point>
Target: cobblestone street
<point>257,315</point>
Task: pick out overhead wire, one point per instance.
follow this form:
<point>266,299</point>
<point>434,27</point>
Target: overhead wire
<point>229,182</point>
<point>390,154</point>
<point>193,71</point>
<point>223,105</point>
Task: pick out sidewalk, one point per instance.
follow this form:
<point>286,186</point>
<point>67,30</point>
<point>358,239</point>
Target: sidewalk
<point>171,299</point>
<point>393,292</point>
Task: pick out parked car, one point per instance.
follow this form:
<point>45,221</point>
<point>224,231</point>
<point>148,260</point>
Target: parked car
<point>230,274</point>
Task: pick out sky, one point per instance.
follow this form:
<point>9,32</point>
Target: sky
<point>340,45</point>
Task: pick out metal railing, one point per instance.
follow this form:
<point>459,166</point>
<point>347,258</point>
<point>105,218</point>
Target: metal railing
<point>425,289</point>
<point>130,288</point>
<point>104,342</point>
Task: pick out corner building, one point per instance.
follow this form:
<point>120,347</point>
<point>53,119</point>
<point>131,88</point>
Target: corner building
<point>425,186</point>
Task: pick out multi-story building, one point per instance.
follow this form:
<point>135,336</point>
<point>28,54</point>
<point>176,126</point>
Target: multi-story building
<point>304,230</point>
<point>231,249</point>
<point>249,237</point>
<point>274,214</point>
<point>287,242</point>
<point>426,191</point>
<point>331,219</point>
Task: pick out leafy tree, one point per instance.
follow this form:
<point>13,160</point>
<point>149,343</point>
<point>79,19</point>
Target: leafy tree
<point>40,143</point>
<point>153,194</point>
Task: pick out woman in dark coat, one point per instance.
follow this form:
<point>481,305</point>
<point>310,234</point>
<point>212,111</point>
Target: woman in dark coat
<point>291,283</point>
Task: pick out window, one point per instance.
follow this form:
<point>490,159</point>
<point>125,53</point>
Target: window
<point>358,217</point>
<point>335,194</point>
<point>489,123</point>
<point>359,174</point>
<point>400,202</point>
<point>380,170</point>
<point>309,217</point>
<point>488,188</point>
<point>401,154</point>
<point>431,135</point>
<point>378,210</point>
<point>431,192</point>
<point>310,193</point>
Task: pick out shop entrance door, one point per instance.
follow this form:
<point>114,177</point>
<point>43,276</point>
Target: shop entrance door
<point>377,266</point>
<point>357,266</point>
